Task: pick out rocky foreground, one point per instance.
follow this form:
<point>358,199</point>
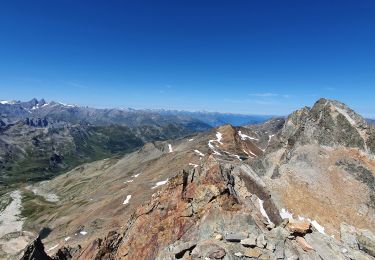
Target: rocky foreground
<point>299,189</point>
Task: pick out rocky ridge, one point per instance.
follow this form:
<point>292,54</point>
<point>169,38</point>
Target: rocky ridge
<point>277,191</point>
<point>208,213</point>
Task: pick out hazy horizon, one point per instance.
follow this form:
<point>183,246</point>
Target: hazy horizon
<point>243,57</point>
<point>160,109</point>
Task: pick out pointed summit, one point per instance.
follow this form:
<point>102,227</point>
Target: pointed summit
<point>42,102</point>
<point>337,110</point>
<point>34,101</point>
<point>328,122</point>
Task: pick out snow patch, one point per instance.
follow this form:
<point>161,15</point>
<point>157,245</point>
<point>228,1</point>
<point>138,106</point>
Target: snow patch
<point>136,175</point>
<point>268,143</point>
<point>83,233</point>
<point>263,211</point>
<point>250,153</point>
<point>244,137</point>
<point>318,227</point>
<point>285,214</point>
<point>199,152</point>
<point>50,249</point>
<point>193,164</point>
<point>170,148</point>
<point>219,136</point>
<point>213,147</point>
<point>129,181</point>
<point>7,102</point>
<point>35,107</point>
<point>233,155</point>
<point>66,105</point>
<point>126,201</point>
<point>67,238</point>
<point>191,140</point>
<point>160,183</point>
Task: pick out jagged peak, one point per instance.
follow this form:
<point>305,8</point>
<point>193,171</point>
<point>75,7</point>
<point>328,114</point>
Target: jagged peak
<point>328,122</point>
<point>226,129</point>
<point>34,100</point>
<point>336,108</point>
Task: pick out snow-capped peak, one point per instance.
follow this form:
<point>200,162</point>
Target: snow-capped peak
<point>8,102</point>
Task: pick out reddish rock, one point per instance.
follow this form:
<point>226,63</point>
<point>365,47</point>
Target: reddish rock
<point>304,245</point>
<point>299,226</point>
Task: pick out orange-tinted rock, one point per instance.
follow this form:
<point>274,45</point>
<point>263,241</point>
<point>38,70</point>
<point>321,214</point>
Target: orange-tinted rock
<point>304,245</point>
<point>252,252</point>
<point>299,226</point>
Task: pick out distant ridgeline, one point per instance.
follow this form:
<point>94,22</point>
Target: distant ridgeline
<point>39,139</point>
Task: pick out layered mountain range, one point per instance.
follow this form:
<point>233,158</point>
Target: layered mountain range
<point>40,139</point>
<point>13,111</point>
<point>302,187</point>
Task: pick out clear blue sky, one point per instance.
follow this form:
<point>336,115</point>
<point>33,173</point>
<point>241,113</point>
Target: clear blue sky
<point>253,57</point>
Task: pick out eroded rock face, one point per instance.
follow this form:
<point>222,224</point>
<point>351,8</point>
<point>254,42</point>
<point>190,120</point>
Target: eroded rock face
<point>329,123</point>
<point>323,150</point>
<point>227,207</point>
<point>223,222</point>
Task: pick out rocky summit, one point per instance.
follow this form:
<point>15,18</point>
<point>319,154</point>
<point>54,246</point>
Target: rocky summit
<point>301,187</point>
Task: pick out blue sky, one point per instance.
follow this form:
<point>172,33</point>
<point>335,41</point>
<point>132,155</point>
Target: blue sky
<point>251,57</point>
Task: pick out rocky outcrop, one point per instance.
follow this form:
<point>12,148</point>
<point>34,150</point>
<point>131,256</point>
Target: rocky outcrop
<point>285,202</point>
<point>35,251</point>
<point>330,123</point>
<point>38,122</point>
<point>209,212</point>
<point>299,226</point>
<point>326,149</point>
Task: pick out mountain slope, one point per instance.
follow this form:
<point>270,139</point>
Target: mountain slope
<point>278,190</point>
<point>40,139</point>
<point>328,150</point>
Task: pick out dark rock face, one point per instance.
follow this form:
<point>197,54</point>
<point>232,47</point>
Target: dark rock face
<point>66,253</point>
<point>35,251</point>
<point>56,160</point>
<point>328,123</point>
<point>36,122</point>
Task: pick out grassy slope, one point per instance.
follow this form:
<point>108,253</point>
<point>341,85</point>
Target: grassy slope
<point>84,145</point>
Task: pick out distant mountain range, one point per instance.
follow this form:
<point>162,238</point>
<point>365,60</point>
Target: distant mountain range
<point>39,139</point>
<point>300,187</point>
<point>11,111</point>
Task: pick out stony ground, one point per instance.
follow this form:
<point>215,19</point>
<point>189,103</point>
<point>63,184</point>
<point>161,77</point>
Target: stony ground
<point>299,188</point>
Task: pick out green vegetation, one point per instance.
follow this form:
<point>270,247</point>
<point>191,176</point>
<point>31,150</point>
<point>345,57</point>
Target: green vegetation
<point>34,206</point>
<point>60,150</point>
